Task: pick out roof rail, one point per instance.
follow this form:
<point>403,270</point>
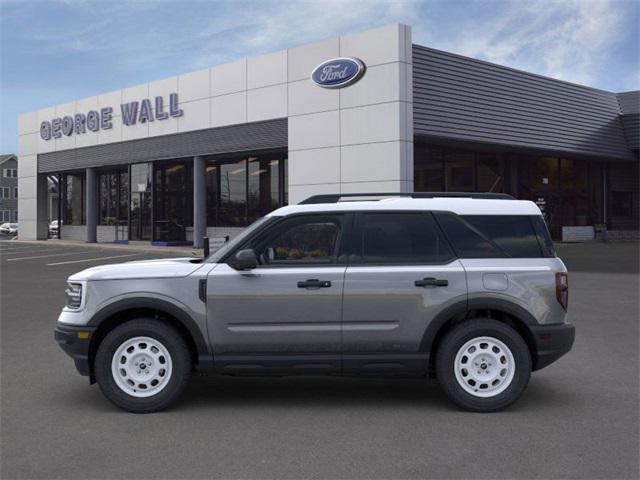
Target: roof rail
<point>336,197</point>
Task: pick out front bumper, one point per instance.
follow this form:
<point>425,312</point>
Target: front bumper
<point>552,342</point>
<point>75,343</point>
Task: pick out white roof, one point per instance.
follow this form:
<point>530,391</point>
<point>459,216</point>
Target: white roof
<point>461,206</point>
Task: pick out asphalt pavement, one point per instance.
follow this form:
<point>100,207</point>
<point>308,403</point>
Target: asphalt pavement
<point>579,417</point>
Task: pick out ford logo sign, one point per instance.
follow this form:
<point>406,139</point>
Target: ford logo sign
<point>338,73</point>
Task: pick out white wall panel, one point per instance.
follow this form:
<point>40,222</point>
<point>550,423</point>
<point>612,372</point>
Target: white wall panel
<point>317,166</point>
<point>315,130</point>
<point>229,78</point>
<point>266,103</point>
<point>229,109</point>
<point>197,115</point>
<point>194,85</point>
<point>267,70</point>
<point>306,97</point>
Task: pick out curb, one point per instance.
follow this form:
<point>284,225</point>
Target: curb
<point>185,251</point>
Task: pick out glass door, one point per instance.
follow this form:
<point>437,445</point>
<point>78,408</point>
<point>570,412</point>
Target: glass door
<point>140,214</point>
<point>140,220</point>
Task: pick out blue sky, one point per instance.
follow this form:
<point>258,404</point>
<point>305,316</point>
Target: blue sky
<point>57,51</point>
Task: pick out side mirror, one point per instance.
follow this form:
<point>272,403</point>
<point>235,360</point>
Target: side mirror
<point>245,260</point>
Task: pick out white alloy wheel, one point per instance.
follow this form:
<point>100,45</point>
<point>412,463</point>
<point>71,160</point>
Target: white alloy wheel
<point>484,367</point>
<point>141,367</point>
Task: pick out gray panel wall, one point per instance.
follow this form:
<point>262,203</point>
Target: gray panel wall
<point>461,98</point>
<point>237,138</point>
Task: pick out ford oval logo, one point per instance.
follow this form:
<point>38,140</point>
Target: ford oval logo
<point>338,73</point>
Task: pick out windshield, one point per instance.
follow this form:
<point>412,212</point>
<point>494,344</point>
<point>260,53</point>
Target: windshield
<point>222,251</point>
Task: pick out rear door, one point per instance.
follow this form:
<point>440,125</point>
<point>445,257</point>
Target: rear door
<point>402,273</point>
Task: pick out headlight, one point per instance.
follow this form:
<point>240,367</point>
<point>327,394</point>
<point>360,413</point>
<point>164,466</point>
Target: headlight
<point>74,295</point>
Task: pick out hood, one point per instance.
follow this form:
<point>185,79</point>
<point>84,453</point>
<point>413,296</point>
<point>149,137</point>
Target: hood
<point>163,268</point>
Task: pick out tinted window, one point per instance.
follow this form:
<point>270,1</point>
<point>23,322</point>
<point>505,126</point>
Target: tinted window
<point>481,236</point>
<point>512,233</point>
<point>402,238</point>
<point>469,243</point>
<point>310,240</point>
<point>544,238</point>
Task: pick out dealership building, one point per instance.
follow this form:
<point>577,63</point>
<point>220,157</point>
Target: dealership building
<point>208,152</point>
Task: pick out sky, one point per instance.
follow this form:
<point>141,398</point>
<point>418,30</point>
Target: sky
<point>55,51</point>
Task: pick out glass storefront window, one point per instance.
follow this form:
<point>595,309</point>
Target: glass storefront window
<point>173,200</point>
<point>459,172</point>
<point>73,199</point>
<point>113,197</point>
<point>240,190</point>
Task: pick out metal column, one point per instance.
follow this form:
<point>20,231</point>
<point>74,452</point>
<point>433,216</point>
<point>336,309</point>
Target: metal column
<point>91,205</point>
<point>199,201</point>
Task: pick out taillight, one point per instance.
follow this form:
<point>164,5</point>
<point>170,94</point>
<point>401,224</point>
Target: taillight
<point>562,289</point>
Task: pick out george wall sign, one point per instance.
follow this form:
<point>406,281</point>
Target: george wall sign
<point>94,120</point>
<point>338,72</point>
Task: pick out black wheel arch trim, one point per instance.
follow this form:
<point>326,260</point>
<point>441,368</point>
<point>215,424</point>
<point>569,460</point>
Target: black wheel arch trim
<point>459,310</point>
<point>156,304</point>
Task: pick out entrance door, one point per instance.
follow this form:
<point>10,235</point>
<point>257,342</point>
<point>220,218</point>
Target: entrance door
<point>140,219</point>
<point>283,316</point>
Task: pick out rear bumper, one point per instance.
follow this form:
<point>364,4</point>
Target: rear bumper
<point>75,343</point>
<point>552,342</point>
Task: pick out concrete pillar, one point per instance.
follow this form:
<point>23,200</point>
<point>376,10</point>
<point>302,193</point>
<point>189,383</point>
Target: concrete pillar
<point>91,205</point>
<point>42,216</point>
<point>199,201</point>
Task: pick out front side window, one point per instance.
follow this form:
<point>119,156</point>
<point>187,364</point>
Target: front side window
<point>302,241</point>
<point>388,238</point>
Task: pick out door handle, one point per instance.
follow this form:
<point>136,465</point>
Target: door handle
<point>431,282</point>
<point>314,283</point>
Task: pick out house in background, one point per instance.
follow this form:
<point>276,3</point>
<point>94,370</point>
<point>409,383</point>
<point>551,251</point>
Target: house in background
<point>9,188</point>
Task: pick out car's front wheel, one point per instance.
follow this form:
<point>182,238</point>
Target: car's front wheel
<point>143,365</point>
<point>483,365</point>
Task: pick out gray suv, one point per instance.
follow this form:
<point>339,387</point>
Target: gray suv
<point>463,287</point>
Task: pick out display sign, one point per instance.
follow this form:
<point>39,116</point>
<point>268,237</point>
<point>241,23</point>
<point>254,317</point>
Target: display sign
<point>339,72</point>
<point>94,120</point>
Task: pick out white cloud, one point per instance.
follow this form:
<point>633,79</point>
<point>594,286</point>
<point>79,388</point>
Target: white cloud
<point>569,40</point>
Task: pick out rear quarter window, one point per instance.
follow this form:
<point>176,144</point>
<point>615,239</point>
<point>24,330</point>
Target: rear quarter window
<point>494,236</point>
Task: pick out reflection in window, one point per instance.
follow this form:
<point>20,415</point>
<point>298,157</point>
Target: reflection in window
<point>73,199</point>
<point>402,238</point>
<point>113,195</point>
<point>313,240</point>
<point>243,189</point>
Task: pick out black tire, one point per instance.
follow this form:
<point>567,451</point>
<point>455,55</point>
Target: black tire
<point>456,338</point>
<point>172,341</point>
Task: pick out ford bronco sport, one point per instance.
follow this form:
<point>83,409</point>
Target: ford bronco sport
<point>466,287</point>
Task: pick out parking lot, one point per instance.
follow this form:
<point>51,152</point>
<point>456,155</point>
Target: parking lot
<point>579,418</point>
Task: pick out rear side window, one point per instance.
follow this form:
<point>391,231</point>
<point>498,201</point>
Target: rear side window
<point>467,241</point>
<point>544,238</point>
<point>482,236</point>
<point>512,233</point>
<point>393,238</point>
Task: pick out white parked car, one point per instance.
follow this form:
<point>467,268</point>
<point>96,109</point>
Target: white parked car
<point>9,228</point>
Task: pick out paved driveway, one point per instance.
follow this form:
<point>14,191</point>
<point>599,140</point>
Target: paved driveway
<point>578,418</point>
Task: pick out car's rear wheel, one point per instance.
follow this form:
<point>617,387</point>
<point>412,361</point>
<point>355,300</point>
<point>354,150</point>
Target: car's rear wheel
<point>483,365</point>
<point>143,365</point>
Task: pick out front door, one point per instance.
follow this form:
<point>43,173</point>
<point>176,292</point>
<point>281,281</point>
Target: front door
<point>285,315</point>
<point>401,275</point>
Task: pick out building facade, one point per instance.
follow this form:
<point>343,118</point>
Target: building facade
<point>208,152</point>
<point>8,188</point>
